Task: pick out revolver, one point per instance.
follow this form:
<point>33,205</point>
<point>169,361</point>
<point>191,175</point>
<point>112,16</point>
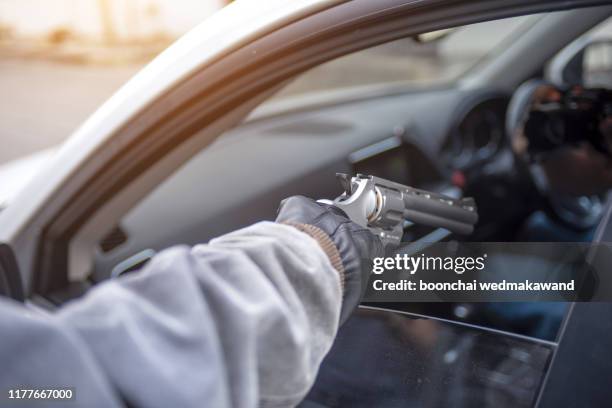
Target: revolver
<point>384,207</point>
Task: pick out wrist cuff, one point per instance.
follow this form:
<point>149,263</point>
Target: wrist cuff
<point>326,244</point>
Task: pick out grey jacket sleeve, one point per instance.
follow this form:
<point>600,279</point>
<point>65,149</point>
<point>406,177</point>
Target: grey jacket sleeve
<point>241,322</point>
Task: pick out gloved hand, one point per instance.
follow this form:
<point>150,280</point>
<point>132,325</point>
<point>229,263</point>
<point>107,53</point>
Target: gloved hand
<point>355,244</point>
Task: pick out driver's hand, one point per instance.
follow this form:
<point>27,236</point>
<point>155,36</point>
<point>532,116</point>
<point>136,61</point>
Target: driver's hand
<point>355,245</point>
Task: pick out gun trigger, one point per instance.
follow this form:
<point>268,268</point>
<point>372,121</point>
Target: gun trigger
<point>345,182</point>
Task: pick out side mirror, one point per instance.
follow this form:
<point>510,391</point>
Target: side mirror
<point>586,62</point>
<point>10,278</point>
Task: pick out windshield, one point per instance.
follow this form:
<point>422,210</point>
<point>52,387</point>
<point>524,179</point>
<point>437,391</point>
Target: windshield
<point>439,57</point>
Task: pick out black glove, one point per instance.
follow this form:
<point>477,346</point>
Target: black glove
<point>356,245</point>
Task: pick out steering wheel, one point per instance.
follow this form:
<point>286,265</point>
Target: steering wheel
<point>577,211</point>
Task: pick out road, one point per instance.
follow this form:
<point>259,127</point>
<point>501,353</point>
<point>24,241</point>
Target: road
<point>44,102</point>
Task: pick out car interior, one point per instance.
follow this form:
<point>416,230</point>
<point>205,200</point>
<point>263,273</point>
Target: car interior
<point>388,111</point>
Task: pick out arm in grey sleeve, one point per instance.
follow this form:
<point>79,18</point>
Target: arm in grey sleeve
<point>244,321</point>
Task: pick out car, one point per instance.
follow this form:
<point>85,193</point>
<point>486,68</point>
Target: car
<point>270,99</point>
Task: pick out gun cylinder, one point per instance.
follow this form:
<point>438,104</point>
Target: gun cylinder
<point>389,208</point>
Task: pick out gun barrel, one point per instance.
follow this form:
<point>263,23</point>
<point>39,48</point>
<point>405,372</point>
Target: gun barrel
<point>432,220</point>
<point>454,215</point>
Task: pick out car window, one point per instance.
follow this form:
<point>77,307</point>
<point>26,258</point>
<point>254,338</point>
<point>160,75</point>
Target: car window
<point>431,58</point>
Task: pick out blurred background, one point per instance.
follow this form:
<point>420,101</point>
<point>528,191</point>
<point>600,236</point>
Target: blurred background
<point>60,59</point>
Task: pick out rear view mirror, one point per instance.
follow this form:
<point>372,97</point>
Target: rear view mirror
<point>597,65</point>
<point>10,279</point>
<point>587,62</point>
